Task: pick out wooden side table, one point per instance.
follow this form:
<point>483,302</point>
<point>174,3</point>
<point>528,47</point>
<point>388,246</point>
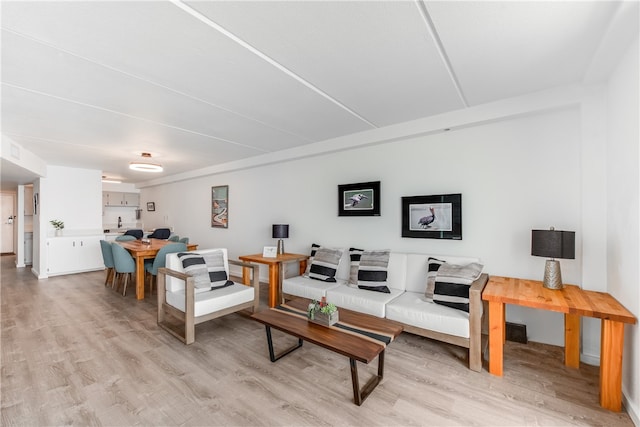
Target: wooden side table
<point>275,264</point>
<point>573,302</point>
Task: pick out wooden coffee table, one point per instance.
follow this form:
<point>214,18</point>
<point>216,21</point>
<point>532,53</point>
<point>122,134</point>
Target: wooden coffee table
<point>360,337</point>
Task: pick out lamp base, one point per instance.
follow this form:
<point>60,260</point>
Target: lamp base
<point>280,246</point>
<point>552,275</point>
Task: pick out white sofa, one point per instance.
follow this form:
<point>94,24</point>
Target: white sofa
<point>406,303</point>
<point>178,297</point>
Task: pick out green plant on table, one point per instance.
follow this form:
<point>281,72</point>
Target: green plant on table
<point>57,224</point>
<point>328,308</point>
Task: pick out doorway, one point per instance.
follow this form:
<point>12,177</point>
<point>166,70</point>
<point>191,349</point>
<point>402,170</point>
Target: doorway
<point>8,201</point>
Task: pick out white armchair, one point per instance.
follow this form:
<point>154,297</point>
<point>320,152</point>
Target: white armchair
<point>179,298</point>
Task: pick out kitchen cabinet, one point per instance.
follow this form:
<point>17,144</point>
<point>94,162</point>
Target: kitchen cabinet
<point>116,198</point>
<point>67,255</point>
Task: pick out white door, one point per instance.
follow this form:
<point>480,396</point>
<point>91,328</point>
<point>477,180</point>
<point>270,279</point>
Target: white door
<point>8,221</point>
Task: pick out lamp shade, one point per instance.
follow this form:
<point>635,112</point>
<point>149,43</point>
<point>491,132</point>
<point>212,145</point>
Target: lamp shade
<point>280,231</point>
<point>553,243</point>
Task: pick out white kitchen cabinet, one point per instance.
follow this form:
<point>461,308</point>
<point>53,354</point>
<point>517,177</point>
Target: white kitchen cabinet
<point>115,198</point>
<point>66,255</point>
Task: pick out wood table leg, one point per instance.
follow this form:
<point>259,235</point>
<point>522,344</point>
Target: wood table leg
<point>246,275</point>
<point>140,277</point>
<point>303,267</point>
<point>496,337</point>
<point>274,277</point>
<point>572,340</point>
<point>611,348</point>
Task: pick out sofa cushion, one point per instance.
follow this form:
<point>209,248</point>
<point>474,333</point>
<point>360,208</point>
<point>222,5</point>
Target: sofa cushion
<point>307,288</point>
<point>173,284</point>
<point>433,265</point>
<point>453,282</point>
<point>411,308</point>
<point>325,264</point>
<point>372,271</point>
<point>360,300</point>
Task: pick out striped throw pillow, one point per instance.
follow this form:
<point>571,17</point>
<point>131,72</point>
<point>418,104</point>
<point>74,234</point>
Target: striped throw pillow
<point>433,265</point>
<point>325,264</point>
<point>453,283</point>
<point>372,271</point>
<point>207,269</point>
<point>354,256</point>
<point>314,248</point>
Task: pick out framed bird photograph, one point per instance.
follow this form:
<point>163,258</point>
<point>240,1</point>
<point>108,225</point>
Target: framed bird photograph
<point>432,217</point>
<point>361,199</point>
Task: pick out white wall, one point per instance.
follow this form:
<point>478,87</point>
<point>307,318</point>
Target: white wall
<point>71,195</point>
<point>514,175</point>
<point>623,214</point>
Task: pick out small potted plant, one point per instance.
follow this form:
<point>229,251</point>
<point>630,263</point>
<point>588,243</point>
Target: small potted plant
<point>322,312</point>
<point>58,225</point>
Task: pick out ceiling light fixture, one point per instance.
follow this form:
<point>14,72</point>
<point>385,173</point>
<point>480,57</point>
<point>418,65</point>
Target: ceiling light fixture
<point>145,166</point>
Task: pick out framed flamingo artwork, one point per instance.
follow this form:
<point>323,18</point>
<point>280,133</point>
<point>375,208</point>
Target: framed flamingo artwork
<point>432,217</point>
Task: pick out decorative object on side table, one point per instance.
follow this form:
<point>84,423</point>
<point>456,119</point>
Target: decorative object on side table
<point>280,231</point>
<point>58,225</point>
<point>553,243</point>
<point>322,313</point>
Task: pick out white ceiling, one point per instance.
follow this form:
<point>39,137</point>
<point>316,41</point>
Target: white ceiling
<point>92,84</point>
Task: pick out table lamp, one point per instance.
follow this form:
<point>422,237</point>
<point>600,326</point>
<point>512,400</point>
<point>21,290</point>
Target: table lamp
<point>280,231</point>
<point>553,244</point>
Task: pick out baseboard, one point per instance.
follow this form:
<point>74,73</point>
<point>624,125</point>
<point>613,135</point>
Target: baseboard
<point>590,359</point>
<point>632,410</point>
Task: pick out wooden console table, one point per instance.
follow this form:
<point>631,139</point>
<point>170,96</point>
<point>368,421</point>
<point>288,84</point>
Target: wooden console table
<point>275,265</point>
<point>573,302</point>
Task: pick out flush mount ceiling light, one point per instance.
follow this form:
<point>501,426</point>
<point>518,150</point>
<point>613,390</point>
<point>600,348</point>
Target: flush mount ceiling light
<point>145,164</point>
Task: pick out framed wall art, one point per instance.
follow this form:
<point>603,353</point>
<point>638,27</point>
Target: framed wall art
<point>151,206</point>
<point>432,217</point>
<point>362,199</point>
<point>220,206</point>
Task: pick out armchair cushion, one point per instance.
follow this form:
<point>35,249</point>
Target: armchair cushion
<point>453,282</point>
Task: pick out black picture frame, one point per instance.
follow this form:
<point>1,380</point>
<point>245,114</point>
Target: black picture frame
<point>432,217</point>
<point>220,206</point>
<point>349,204</point>
<point>151,206</point>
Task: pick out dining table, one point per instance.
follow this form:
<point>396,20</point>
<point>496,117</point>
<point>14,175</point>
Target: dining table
<point>141,250</point>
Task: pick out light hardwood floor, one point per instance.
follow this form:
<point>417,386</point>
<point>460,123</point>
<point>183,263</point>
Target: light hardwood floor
<point>77,353</point>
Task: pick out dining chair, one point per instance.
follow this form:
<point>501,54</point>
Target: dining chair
<point>160,233</point>
<point>135,232</point>
<point>124,264</point>
<point>125,238</point>
<point>107,257</point>
<point>159,261</point>
<point>184,240</point>
<point>174,238</point>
